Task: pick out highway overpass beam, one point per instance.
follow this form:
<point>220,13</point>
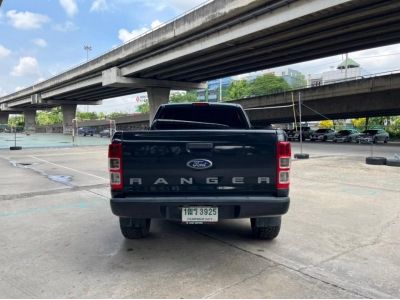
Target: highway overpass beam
<point>69,113</point>
<point>30,120</point>
<point>4,117</point>
<point>113,78</point>
<point>157,96</point>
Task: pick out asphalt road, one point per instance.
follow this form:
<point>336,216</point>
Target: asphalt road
<point>59,238</point>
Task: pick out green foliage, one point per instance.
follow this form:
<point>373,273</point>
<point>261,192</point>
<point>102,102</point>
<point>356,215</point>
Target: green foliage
<point>49,117</point>
<point>359,123</point>
<point>394,128</point>
<point>238,89</point>
<point>115,115</point>
<point>16,121</point>
<point>54,116</point>
<point>267,84</point>
<point>262,85</point>
<point>190,96</point>
<point>82,116</point>
<point>143,108</point>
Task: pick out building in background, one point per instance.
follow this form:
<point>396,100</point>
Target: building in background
<point>294,78</point>
<point>215,88</point>
<point>346,70</point>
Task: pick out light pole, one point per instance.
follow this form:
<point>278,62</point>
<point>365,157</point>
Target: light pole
<point>87,48</point>
<point>220,90</point>
<point>301,155</point>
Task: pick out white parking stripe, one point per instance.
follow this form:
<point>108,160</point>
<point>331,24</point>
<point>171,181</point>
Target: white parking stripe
<point>68,168</point>
<point>70,153</point>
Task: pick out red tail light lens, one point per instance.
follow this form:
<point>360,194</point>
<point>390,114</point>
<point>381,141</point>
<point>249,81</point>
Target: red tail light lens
<point>115,166</point>
<point>201,104</point>
<point>283,155</point>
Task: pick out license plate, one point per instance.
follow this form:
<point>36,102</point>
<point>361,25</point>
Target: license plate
<point>199,214</point>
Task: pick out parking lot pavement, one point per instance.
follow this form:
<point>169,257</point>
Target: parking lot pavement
<point>59,238</point>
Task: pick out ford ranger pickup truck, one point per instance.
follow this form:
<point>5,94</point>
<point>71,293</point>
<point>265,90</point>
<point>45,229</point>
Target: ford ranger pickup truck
<point>200,163</point>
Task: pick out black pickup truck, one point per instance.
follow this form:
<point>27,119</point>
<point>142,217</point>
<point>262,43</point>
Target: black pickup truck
<point>200,163</point>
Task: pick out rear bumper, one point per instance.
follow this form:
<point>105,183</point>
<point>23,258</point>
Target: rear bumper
<point>228,207</point>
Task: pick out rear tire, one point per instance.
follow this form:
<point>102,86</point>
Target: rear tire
<point>386,140</point>
<point>266,232</point>
<point>134,228</point>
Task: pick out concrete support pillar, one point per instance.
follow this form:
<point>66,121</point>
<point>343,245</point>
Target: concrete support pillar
<point>157,96</point>
<point>30,120</point>
<point>4,117</point>
<point>69,113</point>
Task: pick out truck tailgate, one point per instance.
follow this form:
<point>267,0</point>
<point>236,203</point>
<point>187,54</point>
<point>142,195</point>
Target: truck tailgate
<point>198,162</point>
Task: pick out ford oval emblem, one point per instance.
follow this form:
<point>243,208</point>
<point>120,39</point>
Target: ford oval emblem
<point>199,164</point>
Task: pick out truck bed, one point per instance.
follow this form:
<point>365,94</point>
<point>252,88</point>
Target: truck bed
<point>157,163</point>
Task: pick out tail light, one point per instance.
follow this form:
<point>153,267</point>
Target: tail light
<point>283,155</point>
<point>200,104</point>
<point>115,166</point>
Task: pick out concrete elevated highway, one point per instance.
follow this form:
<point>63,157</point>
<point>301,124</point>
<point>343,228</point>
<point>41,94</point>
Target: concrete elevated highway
<point>221,38</point>
<point>368,97</point>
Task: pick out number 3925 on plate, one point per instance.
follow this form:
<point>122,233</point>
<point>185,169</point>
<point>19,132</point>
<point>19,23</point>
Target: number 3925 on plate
<point>199,214</point>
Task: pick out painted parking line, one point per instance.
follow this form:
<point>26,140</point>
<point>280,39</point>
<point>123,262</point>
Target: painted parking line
<point>69,153</point>
<point>68,168</point>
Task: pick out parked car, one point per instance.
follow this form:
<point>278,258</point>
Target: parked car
<point>323,135</point>
<point>290,133</point>
<point>306,133</point>
<point>86,131</point>
<point>294,134</point>
<point>346,136</point>
<point>105,133</point>
<point>373,136</point>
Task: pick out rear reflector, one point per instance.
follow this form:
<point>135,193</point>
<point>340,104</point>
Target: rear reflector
<point>115,166</point>
<point>284,162</point>
<point>115,178</point>
<point>114,163</point>
<point>284,176</point>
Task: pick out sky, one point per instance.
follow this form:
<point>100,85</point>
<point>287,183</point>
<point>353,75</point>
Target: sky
<point>41,38</point>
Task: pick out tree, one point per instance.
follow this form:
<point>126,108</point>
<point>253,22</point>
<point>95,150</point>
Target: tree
<point>101,116</point>
<point>238,89</point>
<point>81,116</point>
<point>190,96</point>
<point>326,124</point>
<point>143,108</point>
<point>359,123</point>
<point>49,117</point>
<point>115,115</point>
<point>16,121</point>
<point>267,84</point>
